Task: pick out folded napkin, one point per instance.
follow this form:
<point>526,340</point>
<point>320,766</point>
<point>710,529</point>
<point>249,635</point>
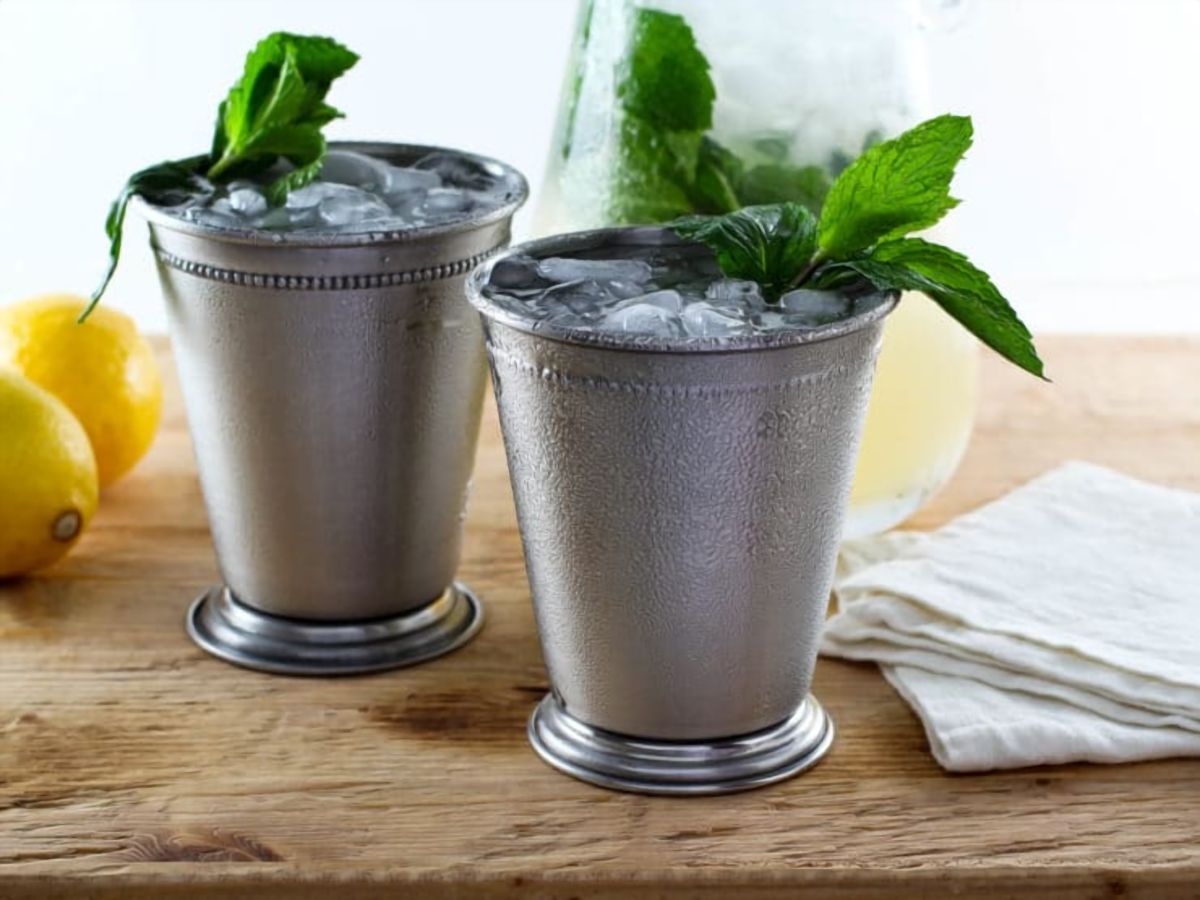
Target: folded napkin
<point>1059,623</point>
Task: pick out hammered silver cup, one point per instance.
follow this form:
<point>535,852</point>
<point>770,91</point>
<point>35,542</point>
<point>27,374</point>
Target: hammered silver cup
<point>333,386</point>
<point>680,507</point>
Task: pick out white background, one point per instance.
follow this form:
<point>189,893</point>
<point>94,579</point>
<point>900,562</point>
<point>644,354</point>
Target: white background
<point>1081,193</point>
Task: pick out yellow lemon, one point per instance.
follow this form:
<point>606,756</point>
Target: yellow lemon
<point>48,482</point>
<point>103,370</point>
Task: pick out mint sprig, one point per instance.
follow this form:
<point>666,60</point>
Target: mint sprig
<point>772,245</point>
<point>166,182</point>
<point>893,188</point>
<point>950,279</point>
<point>896,187</point>
<point>668,163</point>
<point>275,111</point>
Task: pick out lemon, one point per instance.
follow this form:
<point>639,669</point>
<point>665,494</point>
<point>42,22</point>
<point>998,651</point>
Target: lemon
<point>103,370</point>
<point>48,484</point>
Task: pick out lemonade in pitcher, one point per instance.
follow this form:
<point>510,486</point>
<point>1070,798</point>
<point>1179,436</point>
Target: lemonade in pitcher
<point>673,107</point>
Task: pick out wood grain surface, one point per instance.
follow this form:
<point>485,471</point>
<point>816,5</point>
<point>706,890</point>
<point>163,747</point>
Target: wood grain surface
<point>133,765</point>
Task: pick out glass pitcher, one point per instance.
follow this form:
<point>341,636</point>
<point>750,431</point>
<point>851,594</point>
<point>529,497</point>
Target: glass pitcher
<point>801,87</point>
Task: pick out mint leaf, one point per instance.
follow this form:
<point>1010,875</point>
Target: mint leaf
<point>166,183</point>
<point>772,245</point>
<point>666,98</point>
<point>783,183</point>
<point>652,178</point>
<point>665,79</point>
<point>276,109</point>
<point>948,278</point>
<point>893,188</point>
<point>718,172</point>
<point>304,173</point>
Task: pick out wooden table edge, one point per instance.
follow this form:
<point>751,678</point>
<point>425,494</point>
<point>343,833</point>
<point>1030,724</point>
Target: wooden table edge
<point>312,881</point>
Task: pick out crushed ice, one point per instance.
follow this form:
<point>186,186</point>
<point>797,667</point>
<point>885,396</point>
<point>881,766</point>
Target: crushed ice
<point>358,193</point>
<point>657,292</point>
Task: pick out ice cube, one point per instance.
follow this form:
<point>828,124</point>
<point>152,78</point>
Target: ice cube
<point>809,307</point>
<point>566,269</point>
<point>457,171</point>
<point>444,202</point>
<point>702,320</point>
<point>405,179</point>
<point>641,318</point>
<point>374,175</point>
<point>770,320</point>
<point>667,300</point>
<point>406,207</point>
<point>735,297</point>
<point>355,169</point>
<point>247,201</point>
<point>517,271</point>
<point>618,289</point>
<point>584,298</point>
<point>728,290</point>
<point>349,206</point>
<point>214,217</point>
<point>312,194</point>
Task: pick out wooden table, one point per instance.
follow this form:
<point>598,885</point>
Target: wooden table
<point>133,765</point>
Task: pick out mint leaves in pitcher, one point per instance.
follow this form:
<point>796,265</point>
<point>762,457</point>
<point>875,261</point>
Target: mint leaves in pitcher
<point>669,162</point>
<point>859,242</point>
<point>275,112</point>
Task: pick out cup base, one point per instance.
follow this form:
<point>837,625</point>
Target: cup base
<point>242,635</point>
<point>643,766</point>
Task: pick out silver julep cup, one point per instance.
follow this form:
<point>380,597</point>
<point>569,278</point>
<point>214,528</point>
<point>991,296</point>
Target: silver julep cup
<point>680,507</point>
<point>333,386</point>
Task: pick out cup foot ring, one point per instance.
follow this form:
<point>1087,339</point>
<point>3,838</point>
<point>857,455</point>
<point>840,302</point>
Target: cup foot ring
<point>644,766</point>
<point>240,634</point>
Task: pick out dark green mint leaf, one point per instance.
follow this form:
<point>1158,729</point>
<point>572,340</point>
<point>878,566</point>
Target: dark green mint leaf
<point>894,188</point>
<point>166,183</point>
<point>948,278</point>
<point>279,102</point>
<point>718,171</point>
<point>665,78</point>
<point>772,245</point>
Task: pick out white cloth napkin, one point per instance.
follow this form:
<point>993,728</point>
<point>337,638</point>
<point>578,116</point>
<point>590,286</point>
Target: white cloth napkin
<point>1059,623</point>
